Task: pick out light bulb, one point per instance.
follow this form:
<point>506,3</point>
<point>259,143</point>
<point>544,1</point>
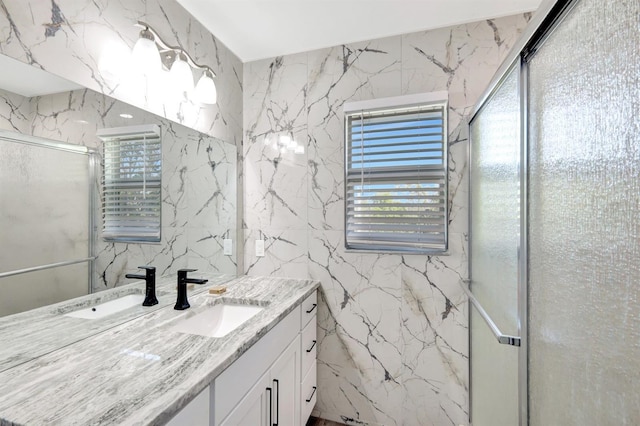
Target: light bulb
<point>145,55</point>
<point>205,91</point>
<point>181,77</point>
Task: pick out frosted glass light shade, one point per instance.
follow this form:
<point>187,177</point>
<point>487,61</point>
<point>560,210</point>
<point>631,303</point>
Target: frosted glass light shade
<point>145,55</point>
<point>181,77</point>
<point>114,61</point>
<point>205,91</point>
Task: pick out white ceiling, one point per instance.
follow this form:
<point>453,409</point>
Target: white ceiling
<point>258,29</point>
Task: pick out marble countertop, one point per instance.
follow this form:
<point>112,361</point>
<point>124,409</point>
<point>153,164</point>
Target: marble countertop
<point>39,331</point>
<point>140,372</point>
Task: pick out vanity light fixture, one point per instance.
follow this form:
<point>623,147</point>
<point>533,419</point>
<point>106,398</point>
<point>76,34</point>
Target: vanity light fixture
<point>145,55</point>
<point>150,53</point>
<point>206,89</point>
<point>181,77</point>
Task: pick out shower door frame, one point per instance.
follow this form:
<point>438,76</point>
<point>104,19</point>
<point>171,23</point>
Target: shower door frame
<point>547,17</point>
<point>92,165</point>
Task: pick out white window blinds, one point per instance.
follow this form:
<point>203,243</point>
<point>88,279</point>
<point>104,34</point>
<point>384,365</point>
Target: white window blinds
<point>396,179</point>
<point>131,199</point>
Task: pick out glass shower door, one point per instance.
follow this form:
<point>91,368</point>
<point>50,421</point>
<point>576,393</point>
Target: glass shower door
<point>584,249</point>
<point>495,224</point>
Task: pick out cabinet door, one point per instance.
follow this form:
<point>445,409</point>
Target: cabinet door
<point>196,413</point>
<point>285,381</point>
<point>253,410</point>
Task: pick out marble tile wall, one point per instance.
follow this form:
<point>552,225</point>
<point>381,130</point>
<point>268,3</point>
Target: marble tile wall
<point>198,182</point>
<point>14,112</point>
<point>392,328</point>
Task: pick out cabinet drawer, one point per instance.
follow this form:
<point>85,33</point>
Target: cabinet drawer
<point>308,394</point>
<point>309,309</point>
<point>308,345</point>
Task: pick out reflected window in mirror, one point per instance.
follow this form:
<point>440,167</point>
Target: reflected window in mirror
<point>131,187</point>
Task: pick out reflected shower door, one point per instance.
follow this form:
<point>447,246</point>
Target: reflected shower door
<point>45,199</point>
<point>495,223</point>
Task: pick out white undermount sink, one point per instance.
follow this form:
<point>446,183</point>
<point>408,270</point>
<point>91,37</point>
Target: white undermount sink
<point>218,320</point>
<point>108,308</point>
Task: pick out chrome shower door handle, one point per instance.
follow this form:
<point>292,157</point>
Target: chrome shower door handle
<point>504,339</point>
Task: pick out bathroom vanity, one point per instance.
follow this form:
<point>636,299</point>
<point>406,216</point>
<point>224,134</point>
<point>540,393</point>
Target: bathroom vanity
<point>161,367</point>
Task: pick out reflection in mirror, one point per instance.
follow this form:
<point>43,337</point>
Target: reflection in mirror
<point>198,208</point>
<point>46,191</point>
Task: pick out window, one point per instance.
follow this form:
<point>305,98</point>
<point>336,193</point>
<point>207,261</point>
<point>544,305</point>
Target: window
<point>131,201</point>
<point>396,174</point>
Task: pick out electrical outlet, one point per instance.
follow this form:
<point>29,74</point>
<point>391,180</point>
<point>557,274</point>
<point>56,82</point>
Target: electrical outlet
<point>228,246</point>
<point>260,248</point>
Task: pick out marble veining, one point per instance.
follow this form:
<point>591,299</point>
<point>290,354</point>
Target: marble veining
<point>140,372</point>
<point>14,112</point>
<point>392,329</point>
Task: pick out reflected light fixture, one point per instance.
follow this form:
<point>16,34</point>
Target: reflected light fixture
<point>151,53</point>
<point>284,143</point>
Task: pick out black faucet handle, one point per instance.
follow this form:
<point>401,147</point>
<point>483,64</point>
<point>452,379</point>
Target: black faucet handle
<point>150,272</point>
<point>187,270</point>
<point>147,268</point>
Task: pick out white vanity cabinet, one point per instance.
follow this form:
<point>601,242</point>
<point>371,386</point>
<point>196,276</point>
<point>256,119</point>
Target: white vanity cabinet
<point>254,409</point>
<point>308,350</point>
<point>272,384</point>
<point>285,393</point>
<point>274,398</point>
<point>196,413</point>
<point>285,382</point>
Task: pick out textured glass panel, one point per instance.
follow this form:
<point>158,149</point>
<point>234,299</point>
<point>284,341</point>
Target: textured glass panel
<point>20,293</point>
<point>584,289</point>
<point>495,234</point>
<point>494,377</point>
<point>44,208</point>
<point>495,194</point>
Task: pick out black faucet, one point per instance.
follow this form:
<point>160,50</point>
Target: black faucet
<point>150,287</point>
<point>182,303</point>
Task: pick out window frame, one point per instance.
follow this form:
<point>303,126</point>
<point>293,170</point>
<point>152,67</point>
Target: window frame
<point>123,134</point>
<point>399,103</point>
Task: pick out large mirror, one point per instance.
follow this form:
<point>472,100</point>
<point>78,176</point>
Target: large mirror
<point>51,198</point>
